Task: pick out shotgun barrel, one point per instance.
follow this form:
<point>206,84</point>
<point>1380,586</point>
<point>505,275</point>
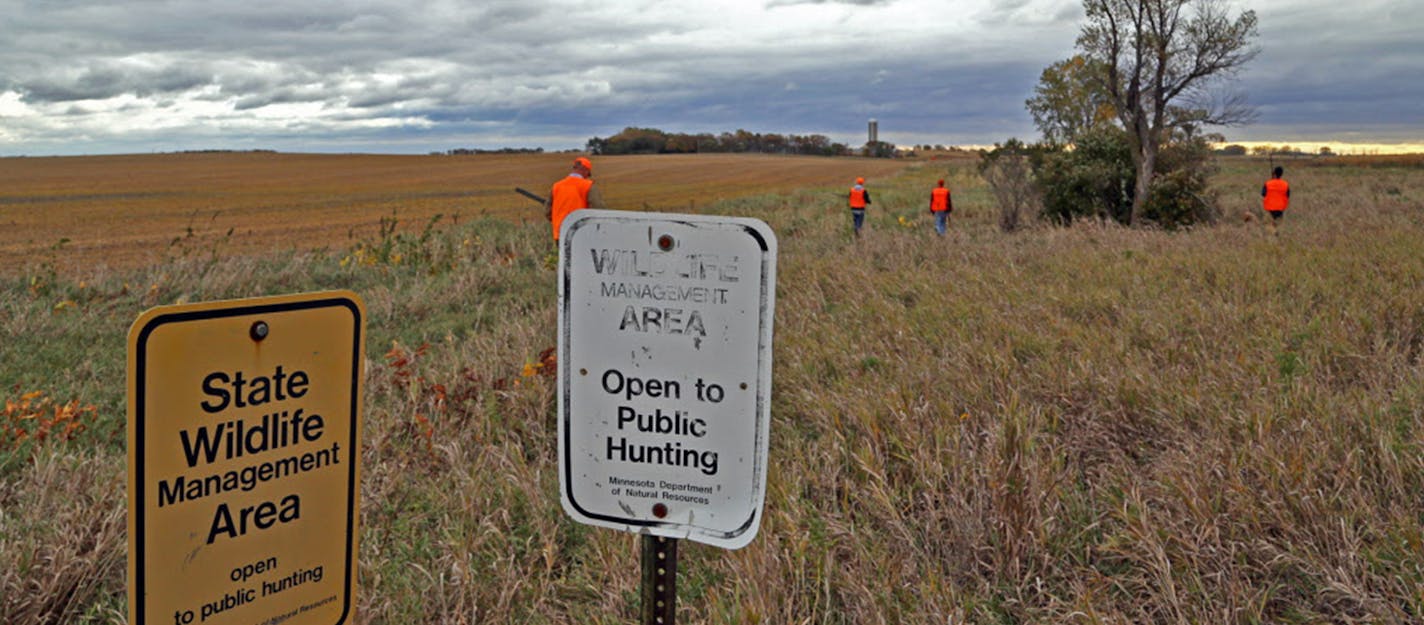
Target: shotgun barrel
<point>529,195</point>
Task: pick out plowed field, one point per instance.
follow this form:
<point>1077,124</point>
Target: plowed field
<point>127,211</point>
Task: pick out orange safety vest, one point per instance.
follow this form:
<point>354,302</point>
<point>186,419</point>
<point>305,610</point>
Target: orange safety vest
<point>1277,195</point>
<point>567,196</point>
<point>857,197</point>
<point>939,199</point>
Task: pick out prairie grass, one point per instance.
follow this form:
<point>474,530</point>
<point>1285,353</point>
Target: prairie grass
<point>1083,425</point>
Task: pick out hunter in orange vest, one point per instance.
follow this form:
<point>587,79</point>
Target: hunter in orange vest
<point>1275,197</point>
<point>941,206</point>
<point>574,192</point>
<point>859,198</point>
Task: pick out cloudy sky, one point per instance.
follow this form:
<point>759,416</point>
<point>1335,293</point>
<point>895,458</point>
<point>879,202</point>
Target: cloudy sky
<point>407,76</point>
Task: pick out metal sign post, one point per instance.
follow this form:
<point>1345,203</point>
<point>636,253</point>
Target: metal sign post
<point>659,593</point>
<point>665,381</point>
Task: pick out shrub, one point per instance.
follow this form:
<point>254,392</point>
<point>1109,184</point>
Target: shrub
<point>1009,172</point>
<point>1094,179</point>
<point>1181,195</point>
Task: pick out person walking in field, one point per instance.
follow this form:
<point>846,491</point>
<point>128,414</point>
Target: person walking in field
<point>1275,197</point>
<point>859,199</point>
<point>574,192</point>
<point>941,205</point>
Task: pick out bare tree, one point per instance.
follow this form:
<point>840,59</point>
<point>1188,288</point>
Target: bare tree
<point>1163,57</point>
<point>1010,176</point>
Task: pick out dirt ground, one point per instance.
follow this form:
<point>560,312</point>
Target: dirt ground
<point>128,211</point>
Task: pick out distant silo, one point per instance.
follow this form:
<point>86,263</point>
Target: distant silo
<point>874,131</point>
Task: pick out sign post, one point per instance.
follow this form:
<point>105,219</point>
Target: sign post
<point>659,582</point>
<point>244,427</point>
<point>665,328</point>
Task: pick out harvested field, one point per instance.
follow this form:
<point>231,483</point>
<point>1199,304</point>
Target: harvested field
<point>130,211</point>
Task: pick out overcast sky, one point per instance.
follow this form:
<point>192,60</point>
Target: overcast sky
<point>404,76</point>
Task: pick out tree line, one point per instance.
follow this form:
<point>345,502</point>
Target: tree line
<point>654,141</point>
<point>1273,150</point>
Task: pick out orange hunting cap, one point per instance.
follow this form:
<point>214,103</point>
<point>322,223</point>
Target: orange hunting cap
<point>860,181</point>
<point>584,162</point>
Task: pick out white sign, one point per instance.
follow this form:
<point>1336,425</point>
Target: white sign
<point>665,372</point>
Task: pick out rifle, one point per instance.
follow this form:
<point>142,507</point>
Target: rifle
<point>529,195</point>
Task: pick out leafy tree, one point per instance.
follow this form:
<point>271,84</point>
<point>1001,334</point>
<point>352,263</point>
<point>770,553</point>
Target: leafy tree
<point>772,143</point>
<point>812,144</point>
<point>879,149</point>
<point>707,142</point>
<point>681,144</point>
<point>750,141</point>
<point>1159,56</point>
<point>641,140</point>
<point>1070,100</point>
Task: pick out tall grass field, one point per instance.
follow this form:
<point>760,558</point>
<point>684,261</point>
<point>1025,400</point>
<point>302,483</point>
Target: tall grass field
<point>1084,424</point>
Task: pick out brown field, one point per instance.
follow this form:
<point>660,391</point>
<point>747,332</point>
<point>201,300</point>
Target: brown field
<point>129,211</point>
<point>1374,161</point>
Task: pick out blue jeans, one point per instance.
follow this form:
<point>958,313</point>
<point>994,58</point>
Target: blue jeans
<point>941,221</point>
<point>858,218</point>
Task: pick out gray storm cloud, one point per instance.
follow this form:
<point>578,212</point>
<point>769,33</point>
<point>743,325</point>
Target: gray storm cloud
<point>418,76</point>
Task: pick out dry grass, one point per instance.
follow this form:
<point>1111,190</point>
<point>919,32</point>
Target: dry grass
<point>62,539</point>
<point>132,211</point>
<point>1085,425</point>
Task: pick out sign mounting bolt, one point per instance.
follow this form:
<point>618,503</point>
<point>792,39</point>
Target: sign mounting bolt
<point>259,331</point>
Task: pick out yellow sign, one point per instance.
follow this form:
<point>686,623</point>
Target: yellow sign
<point>244,446</point>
